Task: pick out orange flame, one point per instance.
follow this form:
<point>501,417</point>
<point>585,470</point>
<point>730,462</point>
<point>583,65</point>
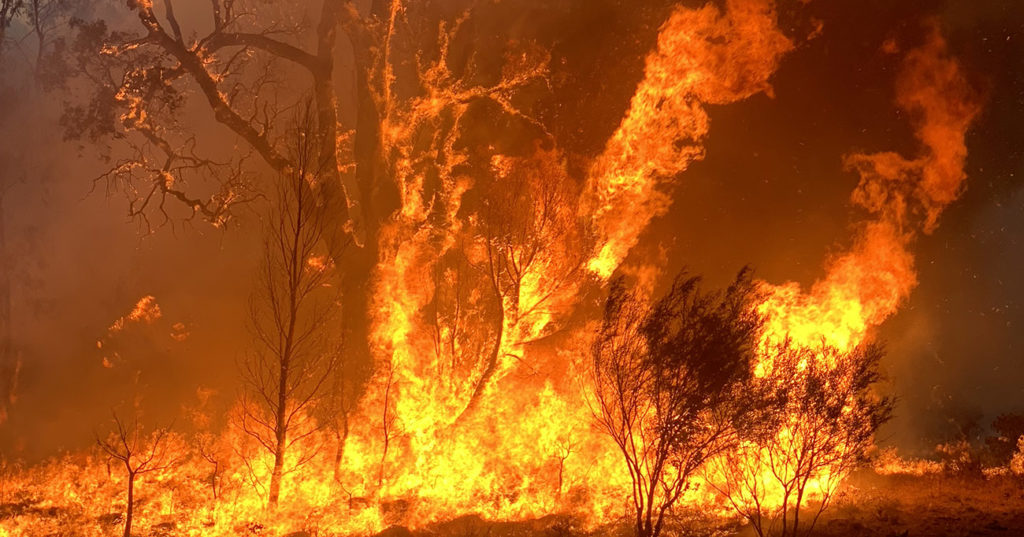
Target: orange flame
<point>866,285</point>
<point>530,450</point>
<point>703,57</point>
<point>905,197</point>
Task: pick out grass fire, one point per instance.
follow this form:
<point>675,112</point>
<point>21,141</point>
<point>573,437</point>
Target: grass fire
<point>573,268</point>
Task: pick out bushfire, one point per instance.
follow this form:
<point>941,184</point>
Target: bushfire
<point>456,311</point>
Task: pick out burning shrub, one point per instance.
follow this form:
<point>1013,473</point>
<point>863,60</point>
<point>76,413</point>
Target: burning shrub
<point>829,417</point>
<point>889,462</point>
<point>670,384</point>
<point>1017,460</point>
<point>959,457</point>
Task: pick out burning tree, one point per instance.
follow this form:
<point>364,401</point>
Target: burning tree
<point>338,407</point>
<point>139,453</point>
<point>292,310</point>
<point>408,110</point>
<point>498,288</point>
<point>671,382</point>
<point>830,416</point>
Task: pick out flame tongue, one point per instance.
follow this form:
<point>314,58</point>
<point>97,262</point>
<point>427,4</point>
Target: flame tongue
<point>703,57</point>
<point>866,285</point>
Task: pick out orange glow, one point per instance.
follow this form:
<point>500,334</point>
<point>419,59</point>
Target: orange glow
<point>477,403</point>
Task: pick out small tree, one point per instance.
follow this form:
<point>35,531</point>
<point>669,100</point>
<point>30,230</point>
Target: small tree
<point>829,418</point>
<point>140,454</point>
<point>292,311</point>
<point>669,385</point>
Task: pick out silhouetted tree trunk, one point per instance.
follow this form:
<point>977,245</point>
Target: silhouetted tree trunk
<point>130,510</point>
<point>340,437</point>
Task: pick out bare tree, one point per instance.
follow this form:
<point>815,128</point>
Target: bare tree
<point>208,440</point>
<point>37,18</point>
<point>564,448</point>
<point>830,414</point>
<point>670,385</point>
<point>139,453</point>
<point>292,311</point>
<point>206,445</point>
<point>9,11</point>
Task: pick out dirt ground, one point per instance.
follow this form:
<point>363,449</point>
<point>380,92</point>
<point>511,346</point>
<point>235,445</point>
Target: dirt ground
<point>927,506</point>
<point>869,505</point>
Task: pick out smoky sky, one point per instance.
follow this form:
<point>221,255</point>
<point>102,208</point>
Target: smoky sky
<point>771,192</point>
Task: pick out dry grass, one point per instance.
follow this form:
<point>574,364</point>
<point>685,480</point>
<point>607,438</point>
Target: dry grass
<point>928,506</point>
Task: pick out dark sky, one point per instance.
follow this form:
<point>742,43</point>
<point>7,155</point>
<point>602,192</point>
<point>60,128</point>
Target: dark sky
<point>771,192</point>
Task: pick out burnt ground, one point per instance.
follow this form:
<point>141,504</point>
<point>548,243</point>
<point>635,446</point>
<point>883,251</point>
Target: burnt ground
<point>869,506</point>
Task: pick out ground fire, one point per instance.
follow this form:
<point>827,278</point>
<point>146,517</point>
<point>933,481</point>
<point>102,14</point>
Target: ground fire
<point>414,267</point>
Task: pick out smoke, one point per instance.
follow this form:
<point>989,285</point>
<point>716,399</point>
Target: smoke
<point>78,267</point>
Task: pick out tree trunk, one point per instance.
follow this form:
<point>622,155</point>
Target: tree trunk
<point>799,500</point>
<point>213,480</point>
<point>275,479</point>
<point>280,427</point>
<point>377,200</point>
<point>280,433</point>
<point>131,505</point>
<point>492,364</point>
<point>356,289</point>
<point>339,450</point>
